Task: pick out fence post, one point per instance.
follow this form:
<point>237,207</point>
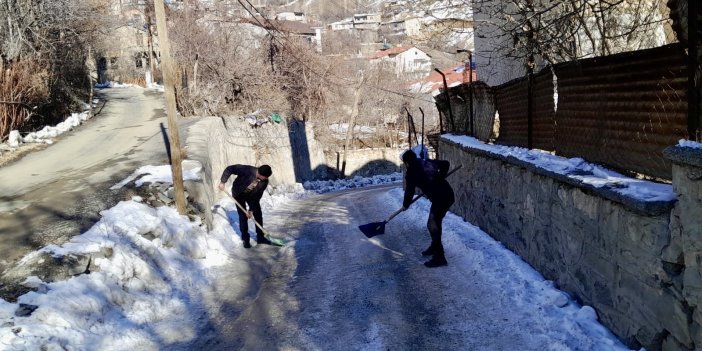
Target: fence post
<point>470,92</point>
<point>448,99</point>
<point>694,118</point>
<point>530,107</point>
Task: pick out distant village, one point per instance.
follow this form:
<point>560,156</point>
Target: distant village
<point>413,44</point>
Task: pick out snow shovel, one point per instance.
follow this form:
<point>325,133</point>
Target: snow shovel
<point>372,229</point>
<point>274,240</point>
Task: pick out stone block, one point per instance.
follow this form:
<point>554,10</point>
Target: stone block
<point>648,233</point>
<point>657,306</point>
<point>674,251</point>
<point>586,205</point>
<point>690,215</point>
<point>605,237</point>
<point>692,277</point>
<point>696,330</point>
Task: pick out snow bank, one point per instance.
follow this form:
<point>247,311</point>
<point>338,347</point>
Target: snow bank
<point>577,168</point>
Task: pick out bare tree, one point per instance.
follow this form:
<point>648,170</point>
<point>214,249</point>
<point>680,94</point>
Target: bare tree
<point>534,31</point>
<point>43,53</point>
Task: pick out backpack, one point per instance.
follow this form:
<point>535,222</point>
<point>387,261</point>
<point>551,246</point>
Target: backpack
<point>435,169</point>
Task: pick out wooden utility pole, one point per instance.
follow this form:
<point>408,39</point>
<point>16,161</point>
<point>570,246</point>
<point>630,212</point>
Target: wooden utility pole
<point>352,121</point>
<point>168,78</point>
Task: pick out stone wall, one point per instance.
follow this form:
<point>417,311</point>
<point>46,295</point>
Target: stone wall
<point>636,263</point>
<point>367,162</point>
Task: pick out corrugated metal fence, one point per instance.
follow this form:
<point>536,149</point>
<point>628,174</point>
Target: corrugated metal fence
<point>620,110</point>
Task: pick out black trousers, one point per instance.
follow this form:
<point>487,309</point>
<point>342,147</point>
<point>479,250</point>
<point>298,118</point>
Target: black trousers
<point>434,224</point>
<point>253,206</point>
<point>439,206</point>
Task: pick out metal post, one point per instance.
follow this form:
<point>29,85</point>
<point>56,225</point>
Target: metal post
<point>470,92</point>
<point>448,99</point>
<point>530,107</point>
<point>693,102</point>
<point>420,110</point>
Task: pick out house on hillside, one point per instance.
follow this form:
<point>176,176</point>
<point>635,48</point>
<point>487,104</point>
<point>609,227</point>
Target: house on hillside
<point>344,24</point>
<point>407,61</point>
<point>125,58</point>
<point>455,76</point>
<point>367,21</point>
<point>291,16</point>
<point>303,31</point>
<point>414,28</point>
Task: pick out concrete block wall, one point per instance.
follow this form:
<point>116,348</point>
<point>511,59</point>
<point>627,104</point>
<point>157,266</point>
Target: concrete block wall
<point>636,263</point>
<point>367,162</point>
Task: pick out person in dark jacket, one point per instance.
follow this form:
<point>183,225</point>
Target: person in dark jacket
<point>438,191</point>
<point>247,189</point>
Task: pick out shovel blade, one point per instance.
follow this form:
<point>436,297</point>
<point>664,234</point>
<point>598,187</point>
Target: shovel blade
<point>372,229</point>
<point>276,241</point>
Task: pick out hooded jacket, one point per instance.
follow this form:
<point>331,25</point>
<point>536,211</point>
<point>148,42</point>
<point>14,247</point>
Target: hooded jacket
<point>437,190</point>
<point>245,175</point>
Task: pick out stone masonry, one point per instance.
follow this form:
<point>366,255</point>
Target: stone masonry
<point>638,264</point>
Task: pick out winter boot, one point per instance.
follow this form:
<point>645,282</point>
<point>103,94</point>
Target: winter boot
<point>436,261</point>
<point>263,241</point>
<point>247,245</point>
<point>429,251</point>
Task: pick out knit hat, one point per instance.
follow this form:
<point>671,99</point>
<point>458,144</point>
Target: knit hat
<point>265,170</point>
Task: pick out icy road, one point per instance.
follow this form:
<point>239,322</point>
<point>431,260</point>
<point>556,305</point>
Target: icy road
<point>335,289</point>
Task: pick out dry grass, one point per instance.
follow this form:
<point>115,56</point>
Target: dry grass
<point>7,158</point>
<point>23,86</point>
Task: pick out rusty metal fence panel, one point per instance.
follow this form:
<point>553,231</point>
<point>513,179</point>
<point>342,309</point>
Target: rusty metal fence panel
<point>623,110</point>
<point>544,116</point>
<point>483,110</point>
<point>512,101</point>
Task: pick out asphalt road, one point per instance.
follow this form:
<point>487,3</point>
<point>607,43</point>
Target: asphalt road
<point>53,194</point>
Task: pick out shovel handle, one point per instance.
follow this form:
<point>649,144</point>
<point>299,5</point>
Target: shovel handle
<point>243,209</point>
<point>420,196</point>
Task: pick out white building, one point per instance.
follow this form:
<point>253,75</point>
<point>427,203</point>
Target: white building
<point>343,24</point>
<point>634,26</point>
<point>407,61</point>
<point>291,16</point>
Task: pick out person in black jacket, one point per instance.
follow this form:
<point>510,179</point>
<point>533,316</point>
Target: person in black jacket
<point>430,177</point>
<point>247,189</point>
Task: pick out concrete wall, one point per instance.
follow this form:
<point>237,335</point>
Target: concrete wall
<point>367,162</point>
<point>637,264</point>
<point>289,148</point>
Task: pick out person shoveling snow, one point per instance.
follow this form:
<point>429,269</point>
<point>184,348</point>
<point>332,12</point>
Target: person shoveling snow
<point>247,189</point>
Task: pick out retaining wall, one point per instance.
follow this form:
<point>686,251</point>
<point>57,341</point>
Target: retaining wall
<point>638,264</point>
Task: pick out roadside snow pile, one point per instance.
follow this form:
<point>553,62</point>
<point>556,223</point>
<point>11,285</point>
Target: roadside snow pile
<point>161,174</point>
<point>690,144</point>
<point>48,132</point>
<point>116,85</point>
<point>45,135</point>
<point>339,130</point>
<point>140,293</point>
<point>325,186</point>
<point>137,280</point>
<point>578,169</point>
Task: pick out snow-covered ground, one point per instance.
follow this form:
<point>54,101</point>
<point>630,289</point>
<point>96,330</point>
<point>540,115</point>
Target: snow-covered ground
<point>152,268</point>
<point>48,133</point>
